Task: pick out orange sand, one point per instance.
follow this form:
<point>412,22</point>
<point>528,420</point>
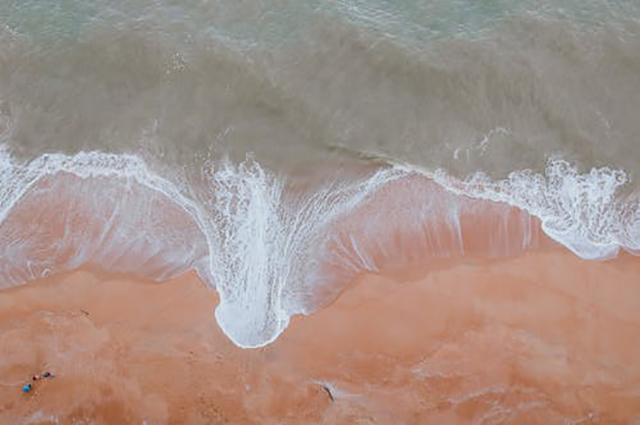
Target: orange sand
<point>544,338</point>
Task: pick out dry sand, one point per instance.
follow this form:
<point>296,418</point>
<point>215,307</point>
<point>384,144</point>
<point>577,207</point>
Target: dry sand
<point>544,338</point>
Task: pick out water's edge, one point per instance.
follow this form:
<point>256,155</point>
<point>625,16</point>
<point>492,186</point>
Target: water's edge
<point>271,252</point>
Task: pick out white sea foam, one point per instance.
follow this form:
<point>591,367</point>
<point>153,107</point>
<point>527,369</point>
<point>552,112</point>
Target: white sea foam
<point>270,253</point>
<point>265,247</point>
<point>583,212</point>
<point>118,192</point>
<point>262,248</point>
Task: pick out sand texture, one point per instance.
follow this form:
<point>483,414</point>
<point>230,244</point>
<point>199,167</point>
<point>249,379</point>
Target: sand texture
<point>544,338</point>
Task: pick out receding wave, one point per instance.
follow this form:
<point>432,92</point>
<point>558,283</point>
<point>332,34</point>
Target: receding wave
<point>272,249</point>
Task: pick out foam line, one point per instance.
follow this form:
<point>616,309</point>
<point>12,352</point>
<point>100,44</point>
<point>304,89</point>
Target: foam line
<point>271,254</point>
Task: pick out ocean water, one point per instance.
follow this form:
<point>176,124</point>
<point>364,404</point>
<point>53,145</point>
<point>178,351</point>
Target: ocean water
<point>282,148</point>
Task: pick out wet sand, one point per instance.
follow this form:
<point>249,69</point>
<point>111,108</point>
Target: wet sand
<point>543,338</point>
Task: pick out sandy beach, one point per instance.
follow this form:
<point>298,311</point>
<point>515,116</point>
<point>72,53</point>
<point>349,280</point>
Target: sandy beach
<point>543,338</point>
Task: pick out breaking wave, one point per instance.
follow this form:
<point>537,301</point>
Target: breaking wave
<point>272,249</point>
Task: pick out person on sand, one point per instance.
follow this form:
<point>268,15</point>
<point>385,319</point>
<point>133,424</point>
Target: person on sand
<point>42,376</point>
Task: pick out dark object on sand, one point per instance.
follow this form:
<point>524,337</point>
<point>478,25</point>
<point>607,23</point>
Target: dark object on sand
<point>43,375</point>
<point>326,388</point>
